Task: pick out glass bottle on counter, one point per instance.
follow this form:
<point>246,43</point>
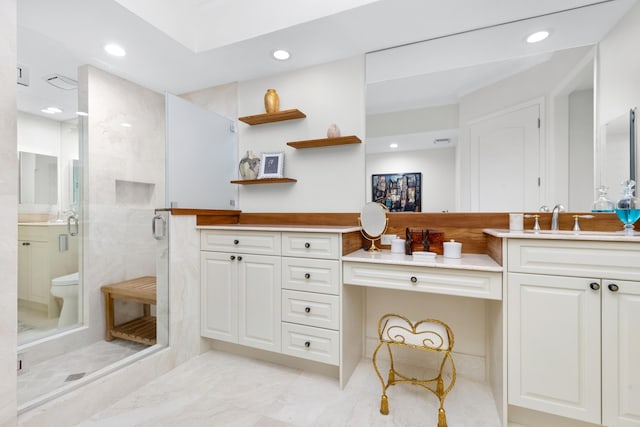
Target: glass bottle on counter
<point>628,207</point>
<point>602,203</point>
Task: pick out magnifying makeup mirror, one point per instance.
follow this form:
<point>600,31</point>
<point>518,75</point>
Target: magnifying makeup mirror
<point>374,222</point>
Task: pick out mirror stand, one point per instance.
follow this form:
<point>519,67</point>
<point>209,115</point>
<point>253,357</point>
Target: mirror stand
<point>373,248</point>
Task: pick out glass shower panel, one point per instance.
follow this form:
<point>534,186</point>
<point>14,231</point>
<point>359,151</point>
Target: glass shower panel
<point>201,157</point>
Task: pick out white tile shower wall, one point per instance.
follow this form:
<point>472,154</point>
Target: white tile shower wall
<point>8,213</point>
<point>126,142</point>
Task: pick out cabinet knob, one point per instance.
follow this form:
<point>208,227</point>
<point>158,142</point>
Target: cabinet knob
<point>232,257</point>
<point>307,344</point>
<point>307,309</point>
<point>307,245</point>
<point>414,279</point>
<point>595,286</point>
<point>236,241</point>
<point>239,258</point>
<point>613,287</point>
<point>307,276</point>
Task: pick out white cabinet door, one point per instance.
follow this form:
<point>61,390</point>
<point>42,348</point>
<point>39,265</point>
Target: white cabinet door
<point>621,353</point>
<point>554,345</point>
<point>40,272</point>
<point>219,296</point>
<point>259,301</point>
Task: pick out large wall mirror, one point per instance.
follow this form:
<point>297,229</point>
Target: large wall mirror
<point>492,122</point>
<point>38,178</point>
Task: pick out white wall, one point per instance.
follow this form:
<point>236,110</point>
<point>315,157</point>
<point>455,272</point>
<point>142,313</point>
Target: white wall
<point>540,82</point>
<point>618,88</point>
<point>8,213</point>
<point>38,134</point>
<point>581,157</point>
<point>330,179</point>
<point>438,174</point>
<point>619,68</point>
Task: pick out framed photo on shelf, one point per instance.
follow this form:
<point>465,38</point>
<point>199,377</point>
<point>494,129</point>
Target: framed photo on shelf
<point>271,165</point>
<point>399,192</point>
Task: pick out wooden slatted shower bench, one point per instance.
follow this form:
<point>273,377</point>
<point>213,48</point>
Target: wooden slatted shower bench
<point>142,329</point>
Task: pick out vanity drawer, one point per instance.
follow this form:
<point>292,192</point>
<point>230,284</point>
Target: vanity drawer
<point>35,233</point>
<point>613,260</point>
<point>313,275</point>
<point>311,245</point>
<point>249,242</point>
<point>321,345</point>
<point>311,309</point>
<point>469,283</point>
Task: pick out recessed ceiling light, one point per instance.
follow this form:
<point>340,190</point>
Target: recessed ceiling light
<point>281,55</point>
<point>125,125</point>
<point>81,113</point>
<point>537,36</point>
<point>115,50</point>
<point>51,110</point>
<point>393,145</point>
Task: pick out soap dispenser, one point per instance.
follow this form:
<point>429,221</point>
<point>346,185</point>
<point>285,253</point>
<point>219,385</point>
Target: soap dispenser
<point>602,203</point>
<point>628,207</point>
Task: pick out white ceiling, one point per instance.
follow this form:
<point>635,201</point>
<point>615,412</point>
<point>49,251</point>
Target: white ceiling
<point>181,46</point>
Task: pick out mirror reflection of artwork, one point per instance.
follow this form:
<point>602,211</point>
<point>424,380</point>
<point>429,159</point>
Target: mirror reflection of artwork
<point>399,192</point>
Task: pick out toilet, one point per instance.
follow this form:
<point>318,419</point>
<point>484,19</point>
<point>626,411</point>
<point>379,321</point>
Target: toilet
<point>66,287</point>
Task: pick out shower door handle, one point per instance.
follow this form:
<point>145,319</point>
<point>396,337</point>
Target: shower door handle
<point>72,221</point>
<point>160,233</point>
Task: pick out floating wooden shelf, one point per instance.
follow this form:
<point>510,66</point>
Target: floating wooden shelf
<point>325,142</point>
<point>280,116</point>
<point>264,181</point>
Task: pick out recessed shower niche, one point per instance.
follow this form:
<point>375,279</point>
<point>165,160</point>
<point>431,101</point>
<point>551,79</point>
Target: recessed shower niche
<point>132,193</point>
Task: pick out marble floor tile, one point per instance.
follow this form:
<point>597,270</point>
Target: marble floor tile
<point>220,389</point>
<point>51,374</point>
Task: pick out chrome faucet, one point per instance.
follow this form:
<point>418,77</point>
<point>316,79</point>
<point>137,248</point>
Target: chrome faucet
<point>554,216</point>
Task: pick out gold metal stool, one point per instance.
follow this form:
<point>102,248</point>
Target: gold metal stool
<point>430,335</point>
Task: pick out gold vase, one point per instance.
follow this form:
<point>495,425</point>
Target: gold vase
<point>271,101</point>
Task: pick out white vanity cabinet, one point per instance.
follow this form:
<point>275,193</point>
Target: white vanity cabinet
<point>574,329</point>
<point>240,287</point>
<point>311,296</point>
<point>41,258</point>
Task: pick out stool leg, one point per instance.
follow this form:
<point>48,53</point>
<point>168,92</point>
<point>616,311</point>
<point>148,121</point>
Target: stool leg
<point>384,405</point>
<point>442,418</point>
<point>384,402</point>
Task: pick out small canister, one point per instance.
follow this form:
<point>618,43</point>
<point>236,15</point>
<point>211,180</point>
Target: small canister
<point>397,246</point>
<point>452,249</point>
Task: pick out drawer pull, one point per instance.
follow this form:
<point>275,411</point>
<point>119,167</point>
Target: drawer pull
<point>239,258</point>
<point>307,309</point>
<point>232,257</point>
<point>613,287</point>
<point>414,279</point>
<point>236,241</point>
<point>307,276</point>
<point>307,344</point>
<point>595,286</point>
<point>307,245</point>
<point>26,244</point>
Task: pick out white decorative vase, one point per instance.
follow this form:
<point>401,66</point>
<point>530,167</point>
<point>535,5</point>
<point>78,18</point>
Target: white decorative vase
<point>333,131</point>
<point>249,166</point>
